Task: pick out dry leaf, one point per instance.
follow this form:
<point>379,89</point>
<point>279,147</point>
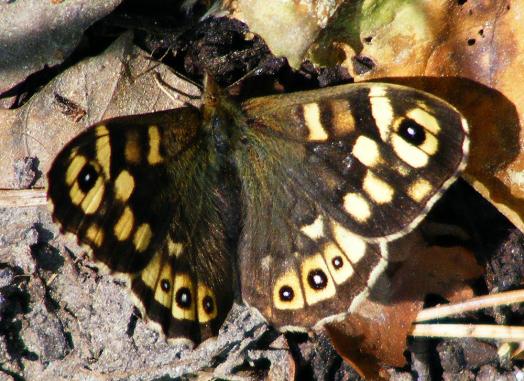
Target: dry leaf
<point>35,34</point>
<point>288,27</point>
<point>374,334</point>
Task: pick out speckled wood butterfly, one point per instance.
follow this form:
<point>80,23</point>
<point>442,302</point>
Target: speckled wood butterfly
<point>286,202</point>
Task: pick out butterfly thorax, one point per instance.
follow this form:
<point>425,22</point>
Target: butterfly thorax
<point>223,121</point>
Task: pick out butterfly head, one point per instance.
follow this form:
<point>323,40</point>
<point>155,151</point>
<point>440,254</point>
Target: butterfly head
<point>221,115</point>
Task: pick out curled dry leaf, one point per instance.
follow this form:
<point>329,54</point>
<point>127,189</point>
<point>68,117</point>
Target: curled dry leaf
<point>35,34</point>
<point>375,333</point>
<point>121,81</point>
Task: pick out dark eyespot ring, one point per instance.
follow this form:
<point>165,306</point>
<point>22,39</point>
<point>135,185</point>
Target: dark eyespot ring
<point>87,178</point>
<point>317,279</point>
<point>412,132</point>
<point>208,304</point>
<point>165,285</point>
<point>286,293</point>
<point>337,262</point>
<point>183,297</point>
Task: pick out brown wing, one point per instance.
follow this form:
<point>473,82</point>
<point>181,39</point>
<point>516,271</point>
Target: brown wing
<point>329,177</point>
<point>140,193</point>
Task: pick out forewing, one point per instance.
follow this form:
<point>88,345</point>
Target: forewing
<point>379,154</point>
<point>139,192</point>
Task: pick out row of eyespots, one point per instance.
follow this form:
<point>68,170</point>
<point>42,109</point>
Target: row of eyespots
<point>320,272</point>
<point>177,291</point>
<point>183,306</point>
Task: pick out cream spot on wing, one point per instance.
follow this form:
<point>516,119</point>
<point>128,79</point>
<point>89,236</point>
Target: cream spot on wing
<point>76,194</point>
<point>380,191</point>
<point>353,246</point>
<point>142,237</point>
<point>174,248</point>
<point>314,230</point>
<point>124,186</point>
<point>124,225</point>
<point>93,198</point>
<point>357,206</point>
<point>425,119</point>
<point>337,263</point>
<point>207,305</point>
<point>150,273</point>
<point>377,90</point>
<point>313,122</point>
<point>343,120</point>
<point>381,110</point>
<point>95,234</point>
<point>420,189</point>
<point>163,283</point>
<point>314,268</point>
<point>430,145</point>
<point>132,150</point>
<point>76,165</point>
<point>287,293</point>
<point>103,149</point>
<point>183,288</point>
<point>153,156</point>
<point>366,151</point>
<point>408,153</point>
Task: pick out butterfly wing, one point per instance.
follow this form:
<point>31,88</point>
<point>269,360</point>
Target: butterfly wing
<point>140,193</point>
<point>328,178</point>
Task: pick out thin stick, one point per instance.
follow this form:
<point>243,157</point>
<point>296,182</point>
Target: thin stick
<point>479,331</point>
<point>15,198</point>
<point>486,301</point>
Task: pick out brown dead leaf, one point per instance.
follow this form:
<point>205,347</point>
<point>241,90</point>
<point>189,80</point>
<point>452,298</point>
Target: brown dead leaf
<point>374,334</point>
<point>114,83</point>
<point>488,47</point>
<point>35,34</point>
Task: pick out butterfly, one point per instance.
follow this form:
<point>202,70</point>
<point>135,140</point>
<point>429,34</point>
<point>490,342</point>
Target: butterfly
<point>285,202</point>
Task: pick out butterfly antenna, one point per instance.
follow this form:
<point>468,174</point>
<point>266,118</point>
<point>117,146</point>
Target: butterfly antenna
<point>186,78</point>
<point>44,147</point>
<point>245,76</point>
<point>158,62</point>
<point>172,92</point>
